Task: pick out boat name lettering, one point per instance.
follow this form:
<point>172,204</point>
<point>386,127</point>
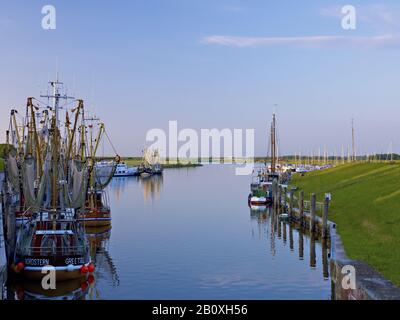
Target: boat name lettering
<point>74,261</point>
<point>37,262</point>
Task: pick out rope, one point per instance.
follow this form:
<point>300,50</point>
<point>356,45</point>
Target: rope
<point>109,140</point>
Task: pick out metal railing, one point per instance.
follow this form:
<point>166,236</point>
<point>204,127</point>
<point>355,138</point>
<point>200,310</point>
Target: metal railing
<point>50,251</point>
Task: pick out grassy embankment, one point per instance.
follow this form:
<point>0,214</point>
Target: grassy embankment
<point>366,207</point>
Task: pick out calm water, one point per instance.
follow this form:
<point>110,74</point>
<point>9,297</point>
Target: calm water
<point>191,235</point>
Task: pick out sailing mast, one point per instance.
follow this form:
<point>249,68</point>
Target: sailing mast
<point>273,144</point>
<point>353,140</point>
<point>55,141</point>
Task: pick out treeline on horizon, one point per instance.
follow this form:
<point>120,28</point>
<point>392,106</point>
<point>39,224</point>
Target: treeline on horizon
<point>377,156</point>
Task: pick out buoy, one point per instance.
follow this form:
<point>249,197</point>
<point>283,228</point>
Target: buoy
<point>91,268</point>
<point>20,266</point>
<point>84,269</point>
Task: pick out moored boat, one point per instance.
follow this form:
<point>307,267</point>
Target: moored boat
<point>263,179</point>
<point>49,171</point>
<point>123,170</point>
<point>98,213</point>
<point>45,243</point>
<point>150,164</point>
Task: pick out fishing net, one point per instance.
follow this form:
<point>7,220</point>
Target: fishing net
<point>103,173</point>
<point>28,181</point>
<point>77,184</point>
<point>34,194</point>
<point>12,169</point>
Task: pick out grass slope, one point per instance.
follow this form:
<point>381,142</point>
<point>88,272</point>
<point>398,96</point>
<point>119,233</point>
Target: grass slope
<point>366,207</point>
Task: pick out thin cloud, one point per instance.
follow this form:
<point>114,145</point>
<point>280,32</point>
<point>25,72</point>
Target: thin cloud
<point>319,41</point>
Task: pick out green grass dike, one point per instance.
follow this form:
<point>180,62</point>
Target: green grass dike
<point>366,208</point>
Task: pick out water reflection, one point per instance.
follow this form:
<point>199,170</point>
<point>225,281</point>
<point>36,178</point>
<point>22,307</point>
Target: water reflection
<point>195,241</point>
<point>78,289</point>
<point>152,186</point>
<point>119,185</point>
<point>106,271</point>
<point>33,290</point>
<point>276,229</point>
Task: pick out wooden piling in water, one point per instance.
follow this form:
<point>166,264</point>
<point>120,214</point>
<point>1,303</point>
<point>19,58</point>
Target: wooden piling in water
<point>313,257</point>
<point>284,198</point>
<point>278,200</point>
<point>291,200</point>
<point>313,202</point>
<point>301,206</point>
<point>275,192</point>
<point>325,218</point>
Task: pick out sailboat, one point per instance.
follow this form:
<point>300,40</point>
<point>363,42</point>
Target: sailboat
<point>262,179</point>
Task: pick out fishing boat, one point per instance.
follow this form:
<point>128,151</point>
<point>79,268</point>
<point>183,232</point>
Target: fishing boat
<point>122,170</point>
<point>50,172</point>
<point>97,212</point>
<point>59,243</point>
<point>151,164</point>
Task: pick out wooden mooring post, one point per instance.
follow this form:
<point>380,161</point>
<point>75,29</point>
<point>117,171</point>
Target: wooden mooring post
<point>313,202</point>
<point>301,206</point>
<point>291,200</point>
<point>284,198</point>
<point>278,200</point>
<point>325,218</point>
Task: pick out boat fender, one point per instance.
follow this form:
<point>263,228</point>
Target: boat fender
<point>91,268</point>
<point>84,269</point>
<point>17,268</point>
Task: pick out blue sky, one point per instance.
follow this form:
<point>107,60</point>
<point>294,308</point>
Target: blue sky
<point>214,64</point>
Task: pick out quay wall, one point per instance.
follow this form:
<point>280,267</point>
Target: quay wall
<point>369,284</point>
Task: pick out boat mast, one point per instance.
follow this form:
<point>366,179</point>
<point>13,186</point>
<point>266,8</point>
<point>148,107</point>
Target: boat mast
<point>273,144</point>
<point>55,141</point>
<point>353,140</point>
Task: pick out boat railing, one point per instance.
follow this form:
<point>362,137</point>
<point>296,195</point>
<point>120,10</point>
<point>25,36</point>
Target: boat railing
<point>51,250</point>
